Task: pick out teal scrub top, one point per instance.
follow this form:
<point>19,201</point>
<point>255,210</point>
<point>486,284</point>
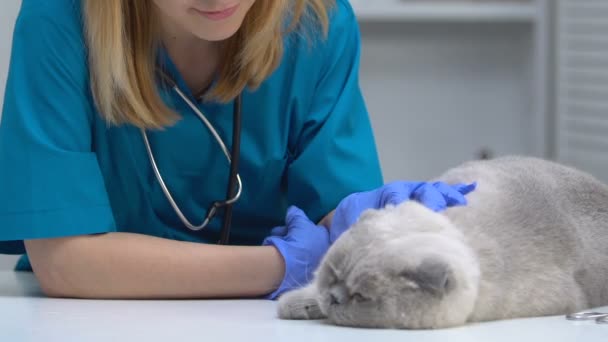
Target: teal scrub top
<point>306,141</point>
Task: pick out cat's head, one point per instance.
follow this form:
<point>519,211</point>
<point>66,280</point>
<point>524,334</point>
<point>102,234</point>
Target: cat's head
<point>400,267</point>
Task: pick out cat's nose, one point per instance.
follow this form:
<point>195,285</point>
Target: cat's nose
<point>338,295</point>
<point>334,300</point>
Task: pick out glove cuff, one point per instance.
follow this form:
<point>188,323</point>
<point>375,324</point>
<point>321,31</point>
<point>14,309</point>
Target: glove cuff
<point>290,281</point>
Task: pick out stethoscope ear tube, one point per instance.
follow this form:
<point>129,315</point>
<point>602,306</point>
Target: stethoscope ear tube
<point>234,167</point>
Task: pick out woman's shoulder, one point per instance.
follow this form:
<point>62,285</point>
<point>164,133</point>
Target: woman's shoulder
<point>51,25</point>
<point>342,14</point>
<point>309,52</point>
<point>50,14</point>
<point>310,45</point>
<point>342,19</point>
<point>48,48</point>
<point>58,7</point>
<point>343,25</point>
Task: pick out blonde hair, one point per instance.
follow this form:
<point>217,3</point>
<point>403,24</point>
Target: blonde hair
<point>122,42</point>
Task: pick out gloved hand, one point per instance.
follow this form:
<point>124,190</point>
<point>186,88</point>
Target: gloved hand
<point>302,245</point>
<point>436,196</point>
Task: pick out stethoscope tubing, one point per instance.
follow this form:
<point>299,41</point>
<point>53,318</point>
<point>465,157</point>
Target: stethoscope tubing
<point>235,186</point>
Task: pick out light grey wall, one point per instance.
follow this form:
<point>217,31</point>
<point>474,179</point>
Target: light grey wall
<point>440,93</point>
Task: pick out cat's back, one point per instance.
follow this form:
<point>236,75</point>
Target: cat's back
<point>527,211</point>
<point>526,184</point>
<point>532,208</point>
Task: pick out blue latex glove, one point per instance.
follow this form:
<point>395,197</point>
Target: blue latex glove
<point>302,245</point>
<point>436,196</point>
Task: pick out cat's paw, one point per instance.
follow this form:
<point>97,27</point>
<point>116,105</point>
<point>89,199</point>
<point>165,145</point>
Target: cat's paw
<point>300,304</point>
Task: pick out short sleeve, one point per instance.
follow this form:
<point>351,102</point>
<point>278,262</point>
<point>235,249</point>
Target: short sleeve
<point>50,180</point>
<point>336,151</point>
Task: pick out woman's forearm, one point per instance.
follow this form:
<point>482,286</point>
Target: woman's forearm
<point>122,265</point>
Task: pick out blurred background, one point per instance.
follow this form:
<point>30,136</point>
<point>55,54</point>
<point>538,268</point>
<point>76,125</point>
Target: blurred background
<point>453,80</point>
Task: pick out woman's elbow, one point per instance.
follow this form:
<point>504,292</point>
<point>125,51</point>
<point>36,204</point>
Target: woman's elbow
<point>52,261</point>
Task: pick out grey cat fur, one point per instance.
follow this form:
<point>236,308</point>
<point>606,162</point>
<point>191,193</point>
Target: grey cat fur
<point>532,241</point>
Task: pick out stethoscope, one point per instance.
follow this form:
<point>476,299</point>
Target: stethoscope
<point>235,186</point>
<point>598,317</point>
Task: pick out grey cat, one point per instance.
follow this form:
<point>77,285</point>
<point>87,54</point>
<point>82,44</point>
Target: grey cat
<point>532,241</point>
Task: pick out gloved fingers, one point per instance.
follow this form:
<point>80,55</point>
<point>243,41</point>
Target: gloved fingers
<point>394,198</point>
<point>450,193</point>
<point>398,192</point>
<point>465,188</point>
<point>293,213</point>
<point>279,231</point>
<point>296,217</point>
<point>430,197</point>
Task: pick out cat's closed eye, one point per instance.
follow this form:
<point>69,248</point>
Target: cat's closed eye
<point>359,298</point>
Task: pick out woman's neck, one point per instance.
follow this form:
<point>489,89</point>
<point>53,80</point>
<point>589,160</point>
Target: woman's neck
<point>196,60</point>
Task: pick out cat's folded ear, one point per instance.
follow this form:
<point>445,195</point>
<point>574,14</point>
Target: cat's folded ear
<point>432,275</point>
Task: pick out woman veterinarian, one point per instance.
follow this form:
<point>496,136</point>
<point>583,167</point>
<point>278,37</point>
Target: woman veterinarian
<point>124,157</point>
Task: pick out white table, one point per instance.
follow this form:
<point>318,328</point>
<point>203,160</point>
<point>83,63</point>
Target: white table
<point>25,315</point>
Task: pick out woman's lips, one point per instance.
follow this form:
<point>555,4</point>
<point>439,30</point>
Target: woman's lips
<point>218,15</point>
